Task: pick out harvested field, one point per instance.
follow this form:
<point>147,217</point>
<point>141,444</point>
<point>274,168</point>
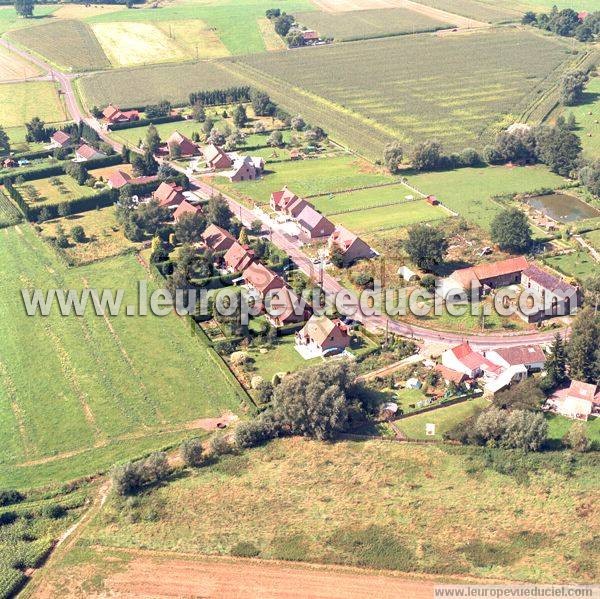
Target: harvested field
<point>271,38</point>
<point>366,94</point>
<point>20,102</point>
<point>78,49</point>
<point>374,504</point>
<point>78,394</point>
<point>12,66</point>
<point>149,85</point>
<point>147,573</point>
<point>365,24</point>
<point>131,44</point>
<point>85,11</point>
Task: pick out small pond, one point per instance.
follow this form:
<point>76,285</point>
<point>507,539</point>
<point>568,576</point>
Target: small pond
<point>562,207</point>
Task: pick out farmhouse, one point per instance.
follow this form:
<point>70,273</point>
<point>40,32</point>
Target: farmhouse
<point>532,357</point>
<point>217,239</point>
<point>578,402</point>
<point>285,307</point>
<point>185,208</point>
<point>60,139</point>
<point>463,358</point>
<point>484,277</point>
<point>260,278</point>
<point>245,169</point>
<point>351,246</point>
<point>288,202</point>
<point>238,258</point>
<point>321,336</point>
<point>559,298</point>
<point>84,153</point>
<point>169,194</point>
<point>310,36</point>
<point>112,114</point>
<point>179,143</point>
<point>216,158</point>
<point>313,225</point>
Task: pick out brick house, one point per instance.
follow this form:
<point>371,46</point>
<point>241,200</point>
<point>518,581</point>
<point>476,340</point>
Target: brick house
<point>262,279</point>
<point>112,114</point>
<point>215,157</point>
<point>169,194</point>
<point>85,152</point>
<point>185,208</point>
<point>238,257</point>
<point>323,335</point>
<point>351,246</point>
<point>313,225</point>
<point>217,239</point>
<point>285,307</point>
<point>186,146</point>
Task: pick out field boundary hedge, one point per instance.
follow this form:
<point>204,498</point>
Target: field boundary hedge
<point>145,122</point>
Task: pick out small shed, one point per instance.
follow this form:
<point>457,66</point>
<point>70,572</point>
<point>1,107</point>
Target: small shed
<point>407,274</point>
<point>432,200</point>
<point>413,383</point>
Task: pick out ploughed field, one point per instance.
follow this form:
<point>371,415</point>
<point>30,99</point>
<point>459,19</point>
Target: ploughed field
<point>459,89</point>
<point>79,393</point>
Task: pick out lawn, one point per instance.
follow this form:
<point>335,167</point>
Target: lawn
<point>130,44</point>
<point>578,264</point>
<point>593,237</point>
<point>384,505</point>
<point>20,102</point>
<point>282,358</point>
<point>365,24</point>
<point>235,22</point>
<point>363,199</point>
<point>72,387</point>
<point>443,418</point>
<point>78,49</point>
<point>468,190</point>
<point>588,118</point>
<point>54,190</point>
<point>104,236</point>
<point>308,177</point>
<point>10,20</point>
<point>389,217</point>
<point>558,427</point>
<point>134,134</point>
<point>411,88</point>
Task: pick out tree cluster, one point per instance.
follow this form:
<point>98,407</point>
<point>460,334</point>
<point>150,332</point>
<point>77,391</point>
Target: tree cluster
<point>218,97</point>
<point>565,23</point>
<point>426,246</point>
<point>132,477</point>
<point>511,231</point>
<point>155,111</point>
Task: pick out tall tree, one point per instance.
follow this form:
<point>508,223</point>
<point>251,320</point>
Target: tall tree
<point>583,350</point>
<point>24,8</point>
<point>511,231</point>
<point>572,86</point>
<point>4,142</point>
<point>392,157</point>
<point>152,139</point>
<point>559,148</point>
<point>218,212</point>
<point>556,364</point>
<point>426,246</point>
<point>240,118</point>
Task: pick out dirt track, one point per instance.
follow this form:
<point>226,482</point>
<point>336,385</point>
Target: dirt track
<point>239,579</point>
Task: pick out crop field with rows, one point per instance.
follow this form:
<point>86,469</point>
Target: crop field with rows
<point>77,394</point>
<point>9,213</point>
<point>366,94</point>
<point>488,11</point>
<point>67,43</point>
<point>365,24</point>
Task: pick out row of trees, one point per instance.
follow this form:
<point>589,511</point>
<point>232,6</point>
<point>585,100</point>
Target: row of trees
<point>566,23</point>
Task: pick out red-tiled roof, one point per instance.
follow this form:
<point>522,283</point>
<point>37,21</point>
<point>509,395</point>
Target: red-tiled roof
<point>87,152</point>
<point>261,278</point>
<point>450,375</point>
<point>522,354</point>
<point>582,390</point>
<point>185,208</point>
<point>483,272</point>
<point>343,238</point>
<point>238,257</point>
<point>169,194</point>
<point>186,145</point>
<point>310,218</point>
<point>60,137</point>
<point>118,179</point>
<point>285,304</point>
<point>217,238</point>
<point>470,358</point>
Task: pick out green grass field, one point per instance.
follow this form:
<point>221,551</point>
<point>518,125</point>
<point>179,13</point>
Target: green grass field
<point>51,193</point>
<point>468,190</point>
<point>588,119</point>
<point>383,505</point>
<point>366,94</point>
<point>71,388</point>
<point>69,44</point>
<point>363,199</point>
<point>593,237</point>
<point>389,217</point>
<point>20,102</point>
<point>240,34</point>
<point>10,20</point>
<point>282,358</point>
<point>365,24</point>
<point>308,177</point>
<point>443,418</point>
<point>579,264</point>
<point>558,427</point>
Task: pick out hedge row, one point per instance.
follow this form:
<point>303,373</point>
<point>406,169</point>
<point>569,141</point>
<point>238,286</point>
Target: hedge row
<point>11,582</point>
<point>33,155</point>
<point>144,122</point>
<point>218,281</point>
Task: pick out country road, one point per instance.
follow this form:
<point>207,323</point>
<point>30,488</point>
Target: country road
<point>292,246</point>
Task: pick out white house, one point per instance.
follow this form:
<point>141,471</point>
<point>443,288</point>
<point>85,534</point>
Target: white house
<point>463,358</point>
<point>532,357</point>
<point>578,402</point>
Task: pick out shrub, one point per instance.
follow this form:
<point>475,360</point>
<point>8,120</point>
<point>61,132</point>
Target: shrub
<point>10,496</point>
<point>78,234</point>
<point>255,432</point>
<point>244,549</point>
<point>220,445</point>
<point>62,241</point>
<point>54,511</point>
<point>8,518</point>
<point>577,439</point>
<point>192,452</point>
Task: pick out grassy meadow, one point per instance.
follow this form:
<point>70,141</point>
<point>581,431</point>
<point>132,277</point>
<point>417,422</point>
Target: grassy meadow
<point>20,102</point>
<point>53,190</point>
<point>588,119</point>
<point>366,94</point>
<point>390,506</point>
<point>579,264</point>
<point>365,24</point>
<point>71,386</point>
<point>468,190</point>
<point>77,50</point>
<point>308,177</point>
<point>9,19</point>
